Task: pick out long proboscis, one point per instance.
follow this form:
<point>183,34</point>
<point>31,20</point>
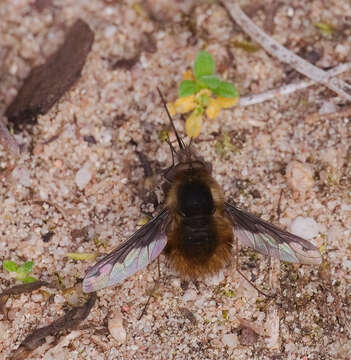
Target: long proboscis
<point>180,141</point>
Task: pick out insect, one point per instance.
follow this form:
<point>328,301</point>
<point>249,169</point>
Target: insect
<point>196,230</point>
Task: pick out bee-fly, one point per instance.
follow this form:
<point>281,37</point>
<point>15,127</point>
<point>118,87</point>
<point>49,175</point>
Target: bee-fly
<point>196,229</point>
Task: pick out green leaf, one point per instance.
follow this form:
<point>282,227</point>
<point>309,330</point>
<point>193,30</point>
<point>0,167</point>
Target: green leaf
<point>25,268</point>
<point>209,81</point>
<point>204,64</point>
<point>226,89</point>
<point>28,279</point>
<point>10,265</point>
<point>186,88</point>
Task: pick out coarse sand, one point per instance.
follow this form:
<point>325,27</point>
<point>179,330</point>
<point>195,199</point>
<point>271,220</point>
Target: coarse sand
<point>80,180</point>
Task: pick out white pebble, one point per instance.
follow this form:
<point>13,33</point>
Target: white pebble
<point>306,228</point>
<point>21,175</point>
<point>231,340</point>
<point>334,234</point>
<point>342,50</point>
<point>327,107</point>
<point>59,299</point>
<point>116,329</point>
<point>4,330</point>
<point>189,295</point>
<point>334,156</point>
<point>345,207</point>
<point>299,176</point>
<point>109,10</point>
<point>346,264</point>
<point>110,31</point>
<point>290,12</point>
<point>199,303</point>
<point>83,176</point>
<point>175,282</point>
<point>13,69</point>
<point>106,136</point>
<point>37,297</point>
<point>330,299</point>
<point>57,353</point>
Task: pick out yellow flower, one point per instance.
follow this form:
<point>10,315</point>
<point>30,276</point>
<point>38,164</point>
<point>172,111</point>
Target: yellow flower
<point>185,104</point>
<point>188,75</point>
<point>193,124</point>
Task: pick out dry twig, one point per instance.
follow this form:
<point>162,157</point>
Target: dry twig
<point>26,288</point>
<point>288,89</point>
<point>283,54</point>
<point>69,321</point>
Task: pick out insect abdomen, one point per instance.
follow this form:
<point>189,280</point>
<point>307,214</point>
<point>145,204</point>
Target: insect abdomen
<point>198,251</point>
<point>197,238</point>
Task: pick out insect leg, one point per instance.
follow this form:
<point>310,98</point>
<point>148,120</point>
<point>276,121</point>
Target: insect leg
<point>242,274</point>
<point>157,282</point>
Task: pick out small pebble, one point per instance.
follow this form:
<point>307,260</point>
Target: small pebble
<point>83,176</point>
<point>37,297</point>
<point>59,299</point>
<point>109,31</point>
<point>175,282</point>
<point>327,107</point>
<point>330,299</point>
<point>334,234</point>
<point>106,136</point>
<point>346,264</point>
<point>231,340</point>
<point>116,329</point>
<point>299,176</point>
<point>57,353</point>
<point>21,175</point>
<point>334,156</point>
<point>306,228</point>
<point>4,330</point>
<point>189,295</point>
<point>342,50</point>
<point>58,164</point>
<point>290,12</point>
<point>13,313</point>
<point>247,337</point>
<point>200,302</point>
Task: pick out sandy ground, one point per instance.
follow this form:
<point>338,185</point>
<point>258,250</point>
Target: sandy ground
<point>120,108</point>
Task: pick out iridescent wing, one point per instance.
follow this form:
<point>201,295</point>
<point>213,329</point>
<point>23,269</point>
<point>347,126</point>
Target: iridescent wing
<point>144,246</point>
<point>269,240</point>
